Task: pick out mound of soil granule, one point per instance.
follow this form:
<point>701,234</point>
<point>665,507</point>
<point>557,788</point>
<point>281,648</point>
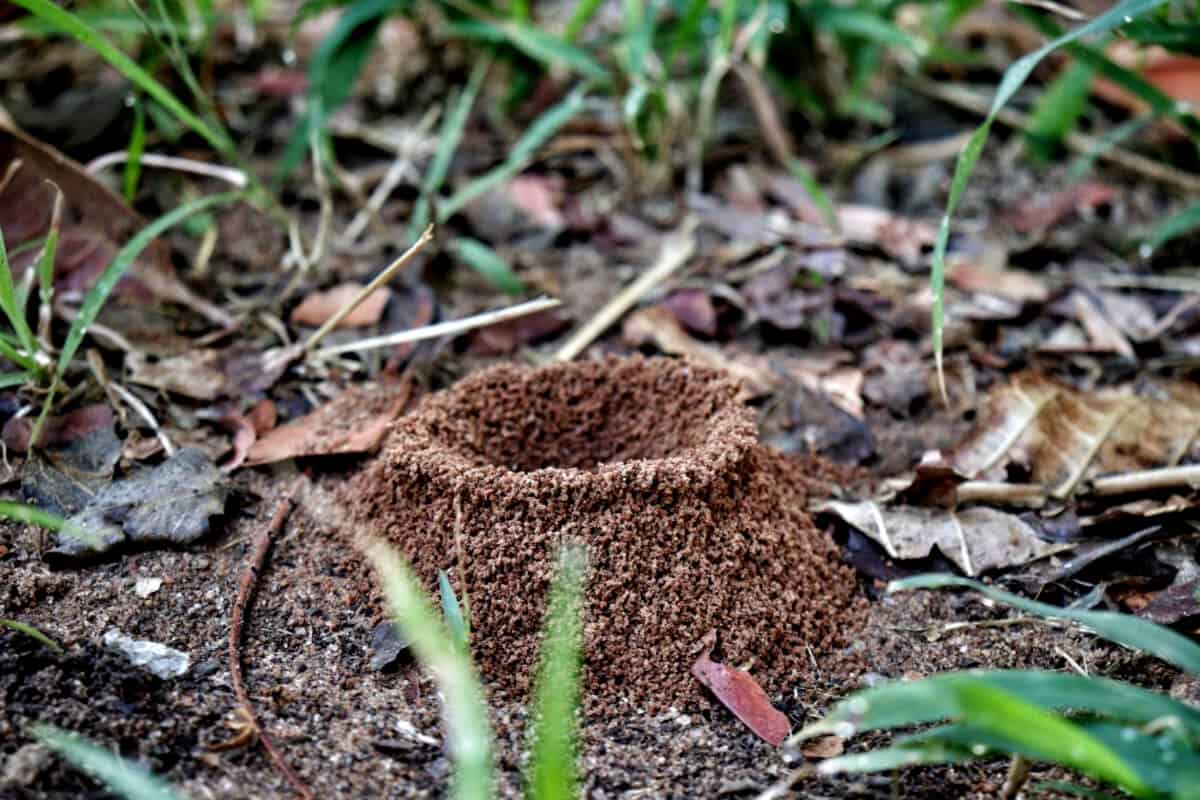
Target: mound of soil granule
<point>690,525</point>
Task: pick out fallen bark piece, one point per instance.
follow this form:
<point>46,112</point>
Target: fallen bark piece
<point>742,695</point>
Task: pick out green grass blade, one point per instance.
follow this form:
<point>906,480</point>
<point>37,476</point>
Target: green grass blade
<point>20,512</point>
<point>468,730</point>
<point>79,30</point>
<point>489,264</point>
<point>1173,227</point>
<point>1058,110</point>
<point>1002,723</point>
<point>1014,78</point>
<point>123,778</point>
<point>522,151</point>
<point>1086,162</point>
<point>909,754</point>
<point>1123,629</point>
<point>11,379</point>
<point>133,164</point>
<point>449,136</point>
<point>864,24</point>
<point>31,632</point>
<point>1180,37</point>
<point>13,309</point>
<point>453,614</point>
<point>537,44</point>
<point>580,17</point>
<point>96,297</point>
<point>22,360</point>
<point>552,771</point>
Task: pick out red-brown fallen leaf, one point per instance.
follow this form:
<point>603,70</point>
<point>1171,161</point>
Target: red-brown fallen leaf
<point>320,306</point>
<point>353,422</point>
<point>506,337</point>
<point>741,694</point>
<point>1043,213</point>
<point>1176,76</point>
<point>279,82</point>
<point>694,310</point>
<point>58,430</point>
<point>540,197</point>
<point>263,416</point>
<point>96,223</point>
<point>246,429</point>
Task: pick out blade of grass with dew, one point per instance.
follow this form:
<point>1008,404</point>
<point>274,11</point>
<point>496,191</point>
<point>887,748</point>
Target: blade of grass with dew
<point>133,164</point>
<point>9,351</point>
<point>1001,722</point>
<point>898,756</point>
<point>448,138</point>
<point>1164,643</point>
<point>552,773</point>
<point>1058,110</point>
<point>96,297</point>
<point>77,29</point>
<point>904,703</point>
<point>12,308</point>
<point>45,272</point>
<point>1173,227</point>
<point>1014,77</point>
<point>465,712</point>
<point>522,152</point>
<point>488,263</point>
<point>453,614</point>
<point>33,633</point>
<point>121,777</point>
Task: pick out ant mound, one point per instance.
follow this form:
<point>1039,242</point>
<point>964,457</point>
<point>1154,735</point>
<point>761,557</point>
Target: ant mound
<point>654,466</point>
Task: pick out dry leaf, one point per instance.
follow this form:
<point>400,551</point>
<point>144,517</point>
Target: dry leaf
<point>1064,436</point>
<point>320,306</point>
<point>353,422</point>
<point>906,240</point>
<point>198,374</point>
<point>824,747</point>
<point>976,539</point>
<point>658,326</point>
<point>741,694</point>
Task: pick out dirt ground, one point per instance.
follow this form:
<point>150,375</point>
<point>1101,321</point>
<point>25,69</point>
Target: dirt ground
<point>351,731</point>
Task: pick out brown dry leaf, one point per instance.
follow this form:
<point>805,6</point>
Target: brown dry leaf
<point>1014,284</point>
<point>505,337</point>
<point>694,310</point>
<point>1177,76</point>
<point>824,747</point>
<point>318,307</point>
<point>353,422</point>
<point>540,197</point>
<point>1064,436</point>
<point>741,694</point>
<point>58,431</point>
<point>976,539</point>
<point>904,239</point>
<point>198,374</point>
<point>97,223</point>
<point>1103,336</point>
<point>1044,212</point>
<point>246,429</point>
<point>658,326</point>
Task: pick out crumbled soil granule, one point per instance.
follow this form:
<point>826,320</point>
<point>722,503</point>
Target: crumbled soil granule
<point>654,465</point>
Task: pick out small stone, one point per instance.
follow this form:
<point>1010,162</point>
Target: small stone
<point>22,767</point>
<point>387,645</point>
<point>145,586</point>
<point>158,659</point>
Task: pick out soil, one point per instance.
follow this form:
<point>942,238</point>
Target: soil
<point>351,731</point>
<point>654,466</point>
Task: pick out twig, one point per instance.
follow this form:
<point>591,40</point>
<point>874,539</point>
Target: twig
<point>234,177</point>
<point>1147,480</point>
<point>261,545</point>
<point>441,328</point>
<point>676,250</point>
<point>968,100</point>
<point>366,291</point>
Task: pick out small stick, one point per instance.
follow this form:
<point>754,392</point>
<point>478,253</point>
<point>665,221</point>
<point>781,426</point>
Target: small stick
<point>1147,480</point>
<point>261,545</point>
<point>441,328</point>
<point>379,280</point>
<point>676,250</point>
<point>234,177</point>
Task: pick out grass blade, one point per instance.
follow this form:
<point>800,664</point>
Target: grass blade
<point>910,754</point>
<point>489,264</point>
<point>467,727</point>
<point>123,778</point>
<point>30,515</point>
<point>1058,110</point>
<point>13,310</point>
<point>98,294</point>
<point>453,614</point>
<point>448,138</point>
<point>540,46</point>
<point>552,772</point>
<point>1172,647</point>
<point>31,632</point>
<point>73,26</point>
<point>133,164</point>
<point>1173,227</point>
<point>1014,78</point>
<point>522,151</point>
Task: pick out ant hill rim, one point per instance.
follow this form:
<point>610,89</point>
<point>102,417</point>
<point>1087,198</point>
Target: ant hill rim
<point>654,466</point>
